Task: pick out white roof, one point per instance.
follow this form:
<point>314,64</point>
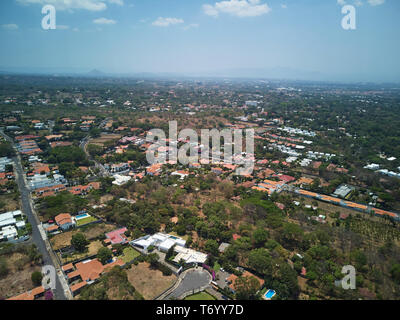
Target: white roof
<point>180,242</point>
<point>8,232</point>
<point>119,179</point>
<point>20,224</point>
<point>7,222</point>
<point>144,242</point>
<point>160,236</point>
<point>6,216</point>
<point>189,255</point>
<point>167,244</point>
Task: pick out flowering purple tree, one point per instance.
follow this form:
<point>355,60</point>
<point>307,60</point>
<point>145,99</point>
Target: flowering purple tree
<point>48,295</point>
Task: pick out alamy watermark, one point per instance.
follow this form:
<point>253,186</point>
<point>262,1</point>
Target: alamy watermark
<point>49,20</point>
<point>349,20</point>
<point>348,282</point>
<point>191,151</point>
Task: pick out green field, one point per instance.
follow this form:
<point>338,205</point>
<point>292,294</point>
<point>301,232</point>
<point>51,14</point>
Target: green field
<point>84,221</point>
<point>200,296</point>
<point>129,254</point>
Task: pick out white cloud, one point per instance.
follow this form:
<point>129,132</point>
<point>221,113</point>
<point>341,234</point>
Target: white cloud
<point>191,26</point>
<point>91,5</point>
<point>10,26</point>
<point>359,3</point>
<point>376,2</point>
<point>62,27</point>
<point>104,21</point>
<point>166,22</point>
<point>238,8</point>
<point>118,2</point>
<point>283,6</point>
<point>210,10</point>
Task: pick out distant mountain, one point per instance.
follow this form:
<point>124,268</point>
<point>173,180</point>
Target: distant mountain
<point>96,73</point>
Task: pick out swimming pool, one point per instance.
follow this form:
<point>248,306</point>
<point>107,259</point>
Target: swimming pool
<point>269,294</point>
<point>81,216</point>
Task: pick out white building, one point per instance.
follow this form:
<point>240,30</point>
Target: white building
<point>189,255</point>
<point>9,225</point>
<point>161,241</point>
<point>121,180</point>
<point>372,166</point>
<point>291,159</point>
<point>8,233</point>
<point>181,174</point>
<point>305,162</point>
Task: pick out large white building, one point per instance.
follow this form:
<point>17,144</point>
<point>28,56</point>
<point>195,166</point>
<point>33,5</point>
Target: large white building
<point>9,225</point>
<point>161,241</point>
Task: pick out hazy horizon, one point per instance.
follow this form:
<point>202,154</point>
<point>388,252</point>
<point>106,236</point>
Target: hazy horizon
<point>300,39</point>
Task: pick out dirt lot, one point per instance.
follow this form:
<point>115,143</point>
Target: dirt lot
<point>17,281</point>
<point>106,198</point>
<point>63,240</point>
<point>150,283</point>
<point>9,203</point>
<point>93,248</point>
<point>104,138</point>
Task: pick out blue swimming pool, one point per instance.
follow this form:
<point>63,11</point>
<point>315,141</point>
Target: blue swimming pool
<point>81,216</point>
<point>269,294</point>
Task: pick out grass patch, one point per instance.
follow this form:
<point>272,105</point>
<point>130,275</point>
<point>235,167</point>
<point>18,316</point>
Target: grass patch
<point>84,221</point>
<point>200,296</point>
<point>129,254</point>
<point>216,266</point>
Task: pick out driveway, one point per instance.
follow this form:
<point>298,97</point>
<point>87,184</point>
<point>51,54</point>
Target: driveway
<point>192,279</point>
<point>222,276</point>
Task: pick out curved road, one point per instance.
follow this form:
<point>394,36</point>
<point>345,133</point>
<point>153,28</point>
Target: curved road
<point>192,280</point>
<point>83,144</point>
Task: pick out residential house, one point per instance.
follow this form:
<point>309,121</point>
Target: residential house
<point>65,221</point>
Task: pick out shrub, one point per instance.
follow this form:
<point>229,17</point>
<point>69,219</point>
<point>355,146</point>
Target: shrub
<point>37,278</point>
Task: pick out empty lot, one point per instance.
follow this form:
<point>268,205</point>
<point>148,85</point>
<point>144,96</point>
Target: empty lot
<point>149,282</point>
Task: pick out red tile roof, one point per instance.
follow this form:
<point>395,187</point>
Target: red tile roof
<point>63,218</point>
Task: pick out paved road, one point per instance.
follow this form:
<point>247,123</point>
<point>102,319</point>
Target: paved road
<point>83,144</point>
<point>33,220</point>
<point>193,279</point>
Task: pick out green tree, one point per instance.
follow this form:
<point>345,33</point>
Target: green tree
<point>260,236</point>
<point>36,278</point>
<point>211,246</point>
<point>395,272</point>
<point>152,258</point>
<point>260,261</point>
<point>79,242</point>
<point>104,254</point>
<point>170,252</point>
<point>246,288</point>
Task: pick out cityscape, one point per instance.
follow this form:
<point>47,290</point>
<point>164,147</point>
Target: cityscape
<point>223,180</point>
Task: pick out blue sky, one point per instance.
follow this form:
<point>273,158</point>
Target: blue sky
<point>292,38</point>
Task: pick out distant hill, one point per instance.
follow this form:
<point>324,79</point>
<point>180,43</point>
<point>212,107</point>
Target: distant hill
<point>96,73</point>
